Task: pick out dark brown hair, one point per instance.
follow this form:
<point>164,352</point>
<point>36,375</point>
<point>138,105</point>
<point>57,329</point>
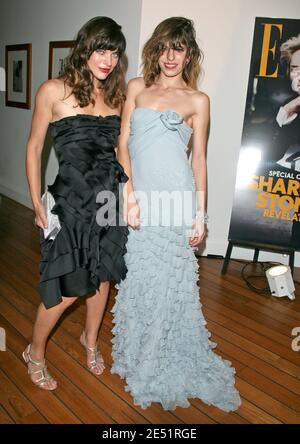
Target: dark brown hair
<point>97,33</point>
<point>176,31</point>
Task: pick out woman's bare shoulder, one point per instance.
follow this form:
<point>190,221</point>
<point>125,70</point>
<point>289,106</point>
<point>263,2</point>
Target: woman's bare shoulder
<point>199,97</point>
<point>135,87</point>
<point>199,101</point>
<point>136,84</point>
<point>52,89</point>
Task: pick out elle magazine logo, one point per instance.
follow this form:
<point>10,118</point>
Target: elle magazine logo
<point>2,339</point>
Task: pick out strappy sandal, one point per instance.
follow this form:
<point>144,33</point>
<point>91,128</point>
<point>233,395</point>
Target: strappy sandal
<point>95,360</point>
<point>46,378</point>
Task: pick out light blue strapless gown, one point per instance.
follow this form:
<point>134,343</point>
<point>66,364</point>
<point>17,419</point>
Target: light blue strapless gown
<point>161,345</point>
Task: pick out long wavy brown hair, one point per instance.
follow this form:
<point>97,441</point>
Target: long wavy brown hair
<point>175,31</point>
<point>97,33</point>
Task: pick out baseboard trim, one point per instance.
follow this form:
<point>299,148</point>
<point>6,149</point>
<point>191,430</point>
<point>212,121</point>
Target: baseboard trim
<point>16,195</point>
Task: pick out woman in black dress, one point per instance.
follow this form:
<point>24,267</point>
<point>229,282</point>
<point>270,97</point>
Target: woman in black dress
<point>83,108</point>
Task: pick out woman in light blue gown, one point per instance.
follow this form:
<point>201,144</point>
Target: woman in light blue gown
<point>161,345</point>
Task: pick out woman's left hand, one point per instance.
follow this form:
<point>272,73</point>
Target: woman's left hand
<point>198,233</point>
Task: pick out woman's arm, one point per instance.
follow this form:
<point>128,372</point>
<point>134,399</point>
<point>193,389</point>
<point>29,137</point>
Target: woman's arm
<point>200,136</point>
<point>42,115</point>
<point>131,209</point>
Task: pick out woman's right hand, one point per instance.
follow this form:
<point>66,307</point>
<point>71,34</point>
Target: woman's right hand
<point>132,215</point>
<point>40,216</point>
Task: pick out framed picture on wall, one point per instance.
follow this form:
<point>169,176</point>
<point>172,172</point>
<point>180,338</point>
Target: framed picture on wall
<point>18,75</point>
<point>58,51</point>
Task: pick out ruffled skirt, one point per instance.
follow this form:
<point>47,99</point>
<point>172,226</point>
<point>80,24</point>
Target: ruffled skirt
<point>83,254</point>
<point>161,345</point>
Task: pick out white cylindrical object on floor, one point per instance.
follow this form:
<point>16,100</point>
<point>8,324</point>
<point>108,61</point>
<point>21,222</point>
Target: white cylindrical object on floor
<point>280,281</point>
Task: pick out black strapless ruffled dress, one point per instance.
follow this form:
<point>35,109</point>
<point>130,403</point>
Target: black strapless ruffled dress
<point>83,254</point>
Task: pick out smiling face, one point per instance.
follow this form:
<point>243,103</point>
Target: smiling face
<point>295,71</point>
<point>102,62</point>
<point>172,59</point>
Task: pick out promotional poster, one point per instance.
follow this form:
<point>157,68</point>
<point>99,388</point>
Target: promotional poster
<point>266,202</point>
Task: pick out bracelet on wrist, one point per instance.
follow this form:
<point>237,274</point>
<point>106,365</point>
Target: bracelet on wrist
<point>201,217</point>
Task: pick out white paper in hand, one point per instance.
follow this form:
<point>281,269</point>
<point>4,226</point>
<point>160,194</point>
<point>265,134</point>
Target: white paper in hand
<point>52,219</point>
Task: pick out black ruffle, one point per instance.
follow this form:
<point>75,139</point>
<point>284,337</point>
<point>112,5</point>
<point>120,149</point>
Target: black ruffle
<point>83,254</point>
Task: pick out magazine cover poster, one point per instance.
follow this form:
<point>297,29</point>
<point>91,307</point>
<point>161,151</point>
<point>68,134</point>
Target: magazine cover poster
<point>267,199</point>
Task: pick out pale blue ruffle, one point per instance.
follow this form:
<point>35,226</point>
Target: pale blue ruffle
<point>161,345</point>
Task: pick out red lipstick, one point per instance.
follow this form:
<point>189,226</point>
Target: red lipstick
<point>105,70</point>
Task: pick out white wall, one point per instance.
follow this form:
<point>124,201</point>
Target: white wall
<point>38,22</point>
<point>225,32</point>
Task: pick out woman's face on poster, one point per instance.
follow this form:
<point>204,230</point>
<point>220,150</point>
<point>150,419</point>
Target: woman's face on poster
<point>295,71</point>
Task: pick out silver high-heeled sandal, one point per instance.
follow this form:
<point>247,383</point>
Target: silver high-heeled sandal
<point>94,358</point>
<point>46,378</point>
